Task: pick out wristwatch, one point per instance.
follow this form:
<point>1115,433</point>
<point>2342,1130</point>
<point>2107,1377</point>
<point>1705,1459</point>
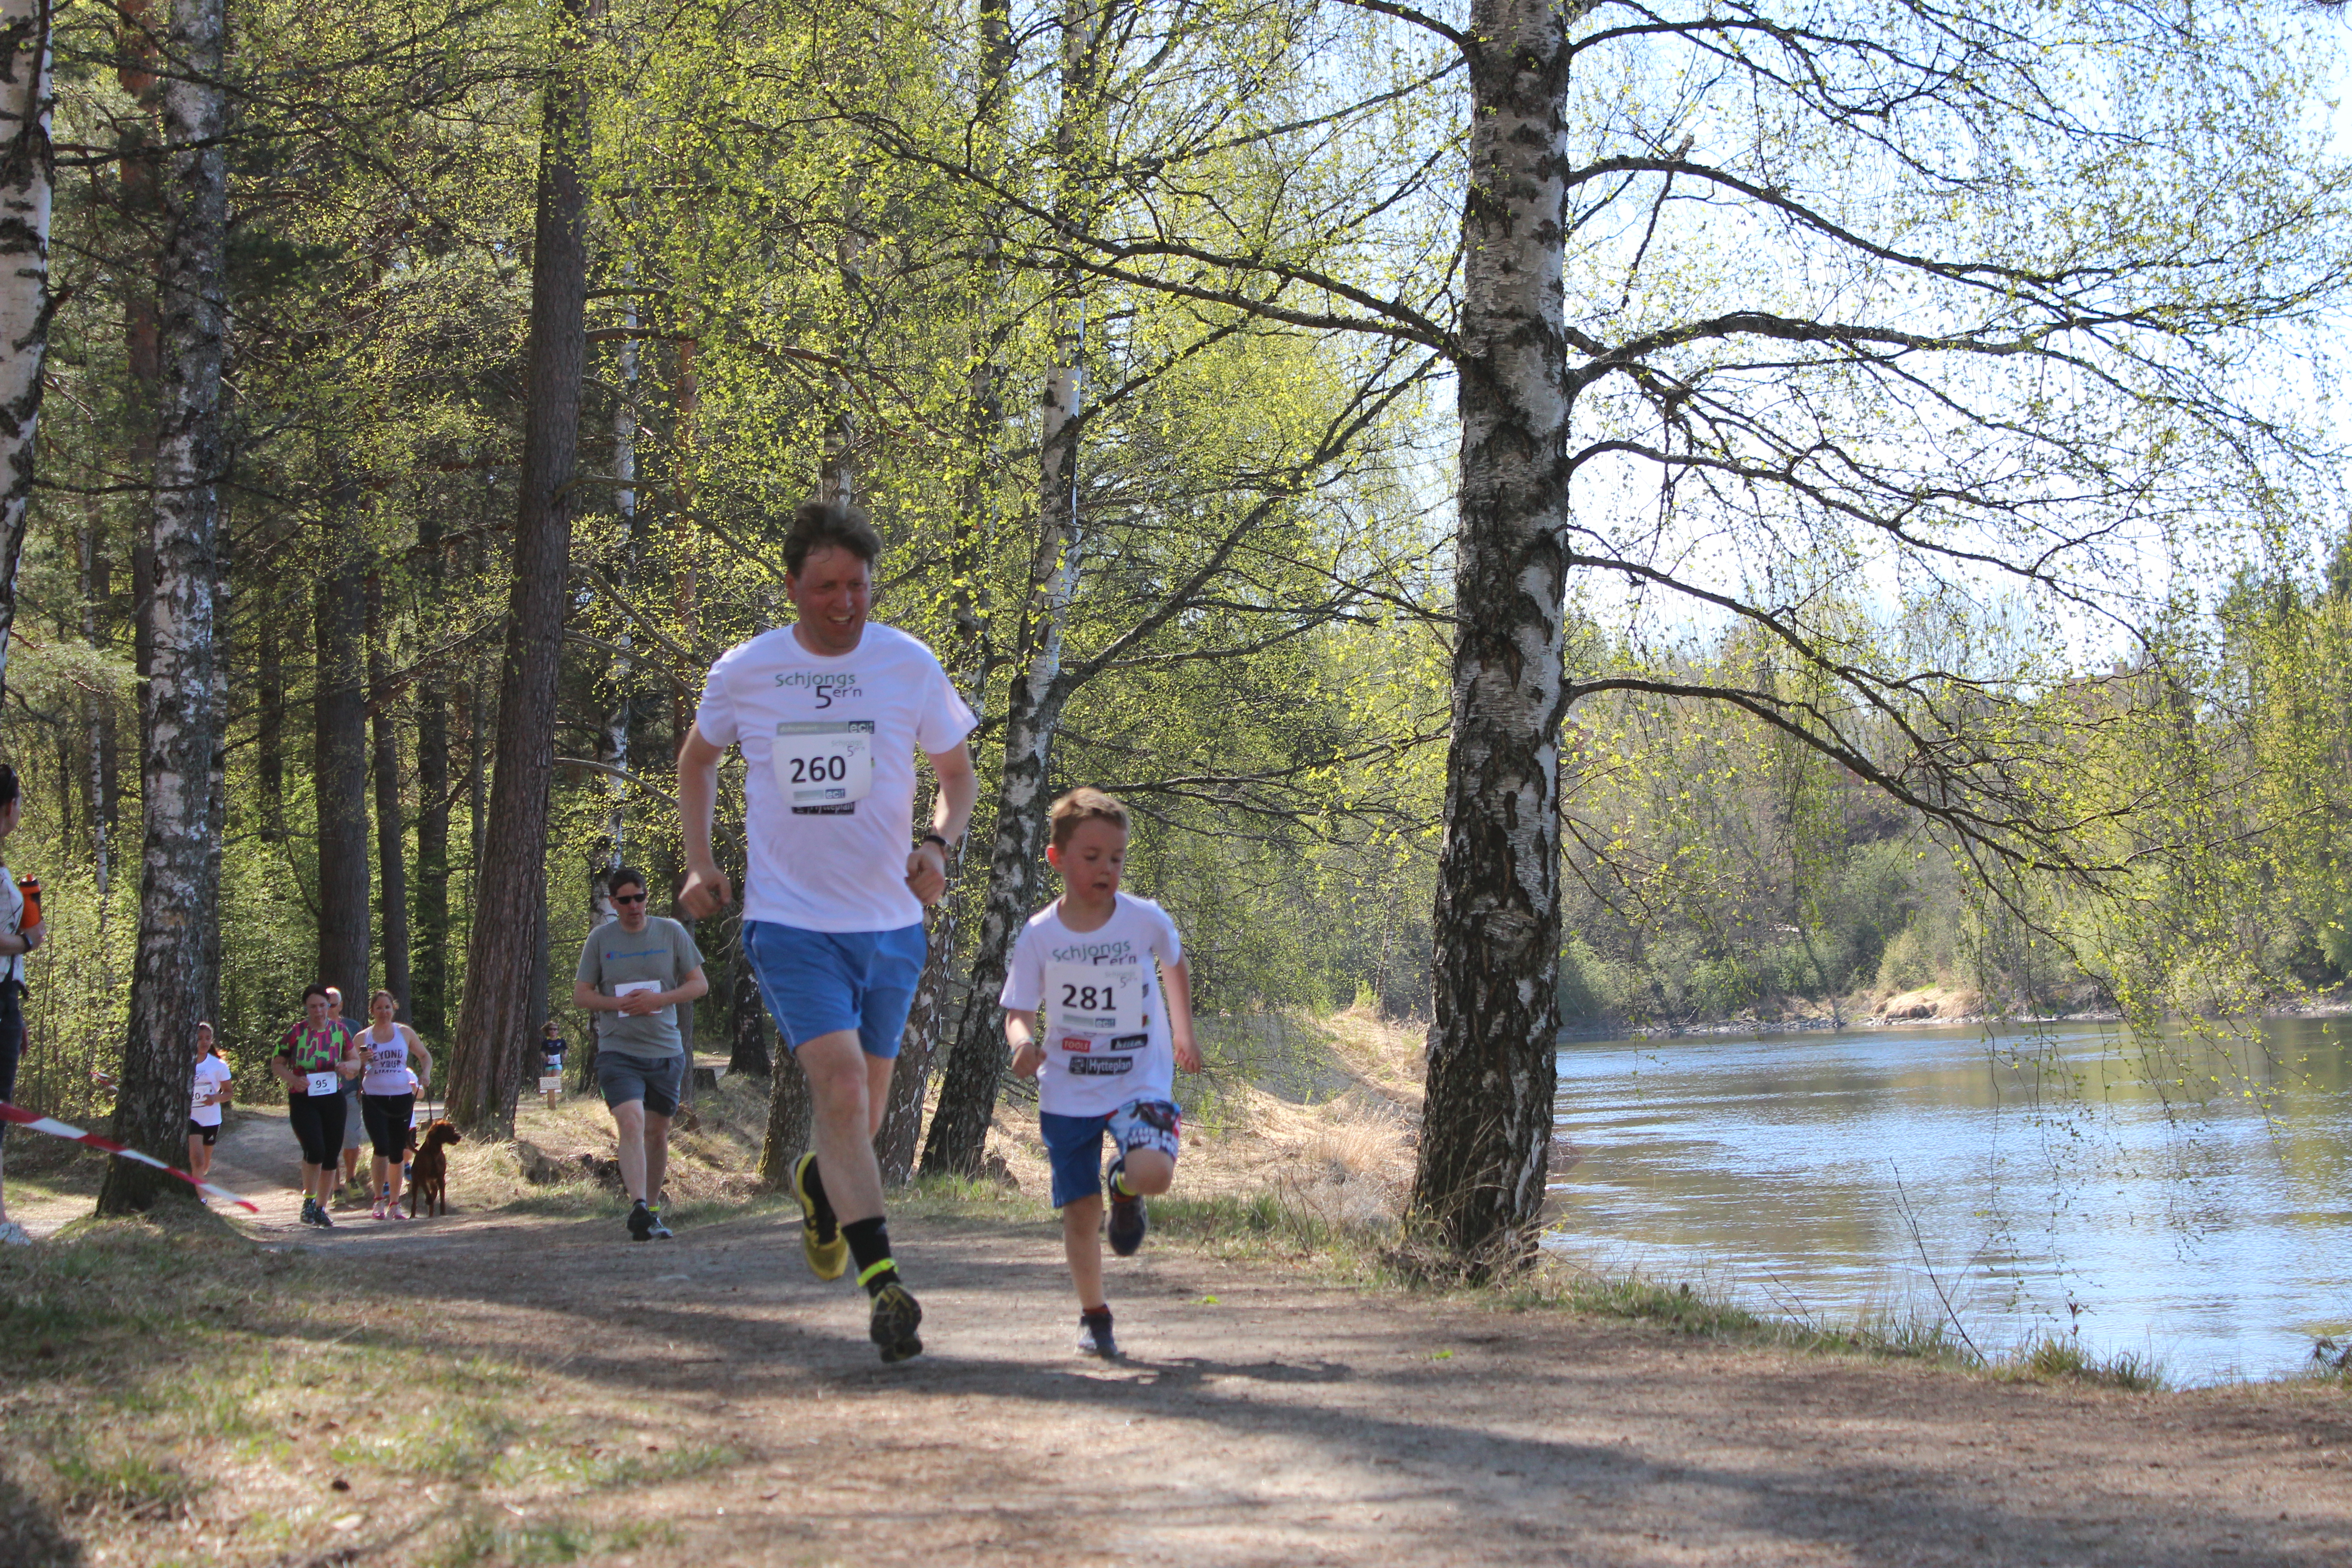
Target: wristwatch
<point>937,838</point>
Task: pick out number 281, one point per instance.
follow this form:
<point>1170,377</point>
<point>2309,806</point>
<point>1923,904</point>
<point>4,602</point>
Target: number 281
<point>1089,998</point>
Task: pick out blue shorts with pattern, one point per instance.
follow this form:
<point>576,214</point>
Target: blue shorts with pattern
<point>1074,1143</point>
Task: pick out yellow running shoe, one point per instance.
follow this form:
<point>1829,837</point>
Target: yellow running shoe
<point>826,1259</point>
<point>896,1318</point>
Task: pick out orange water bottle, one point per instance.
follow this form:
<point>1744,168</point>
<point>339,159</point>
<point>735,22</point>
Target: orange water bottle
<point>31,888</point>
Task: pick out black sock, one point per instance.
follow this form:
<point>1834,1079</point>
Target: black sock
<point>827,1229</point>
<point>1095,1314</point>
<point>869,1249</point>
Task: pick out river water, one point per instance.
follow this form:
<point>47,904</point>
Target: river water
<point>2186,1201</point>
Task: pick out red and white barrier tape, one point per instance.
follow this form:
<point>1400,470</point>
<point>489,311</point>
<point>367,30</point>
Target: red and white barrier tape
<point>57,1129</point>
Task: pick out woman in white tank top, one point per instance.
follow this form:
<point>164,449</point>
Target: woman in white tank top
<point>392,1052</point>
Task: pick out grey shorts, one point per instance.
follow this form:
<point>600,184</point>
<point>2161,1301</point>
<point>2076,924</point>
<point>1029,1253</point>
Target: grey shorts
<point>354,1134</point>
<point>653,1080</point>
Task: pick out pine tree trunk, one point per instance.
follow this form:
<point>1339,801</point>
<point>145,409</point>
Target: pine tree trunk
<point>178,897</point>
<point>339,756</point>
<point>26,181</point>
<point>1486,1122</point>
<point>748,1028</point>
<point>428,1007</point>
<point>391,837</point>
<point>497,1022</point>
<point>270,734</point>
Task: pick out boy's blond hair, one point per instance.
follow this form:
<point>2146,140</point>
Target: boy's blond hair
<point>1085,803</point>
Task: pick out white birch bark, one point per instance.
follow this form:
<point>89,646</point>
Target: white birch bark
<point>27,181</point>
<point>1033,711</point>
<point>1479,1185</point>
<point>178,889</point>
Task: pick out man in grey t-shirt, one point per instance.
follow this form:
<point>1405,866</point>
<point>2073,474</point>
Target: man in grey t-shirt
<point>640,970</point>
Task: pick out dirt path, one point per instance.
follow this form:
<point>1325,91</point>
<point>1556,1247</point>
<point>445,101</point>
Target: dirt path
<point>1259,1420</point>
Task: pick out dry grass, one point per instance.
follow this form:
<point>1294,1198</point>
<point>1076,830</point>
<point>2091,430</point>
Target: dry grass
<point>713,1154</point>
<point>1342,1160</point>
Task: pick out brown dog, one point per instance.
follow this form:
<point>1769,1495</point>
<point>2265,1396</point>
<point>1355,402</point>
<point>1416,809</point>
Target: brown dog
<point>429,1174</point>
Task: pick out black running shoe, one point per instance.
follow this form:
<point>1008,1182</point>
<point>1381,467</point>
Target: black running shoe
<point>659,1232</point>
<point>325,1220</point>
<point>641,1223</point>
<point>895,1317</point>
<point>1127,1222</point>
<point>309,1209</point>
<point>1094,1334</point>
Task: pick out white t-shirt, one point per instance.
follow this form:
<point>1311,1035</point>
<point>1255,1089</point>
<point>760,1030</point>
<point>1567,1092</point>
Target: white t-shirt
<point>1087,1070</point>
<point>11,911</point>
<point>387,1062</point>
<point>829,787</point>
<point>212,1075</point>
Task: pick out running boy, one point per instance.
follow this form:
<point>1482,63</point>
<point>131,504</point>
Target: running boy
<point>1104,1059</point>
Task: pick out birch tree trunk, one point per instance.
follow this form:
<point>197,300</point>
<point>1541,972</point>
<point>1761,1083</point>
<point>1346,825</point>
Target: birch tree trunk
<point>500,1016</point>
<point>897,1144</point>
<point>339,756</point>
<point>26,181</point>
<point>959,1134</point>
<point>178,896</point>
<point>1487,1124</point>
<point>391,838</point>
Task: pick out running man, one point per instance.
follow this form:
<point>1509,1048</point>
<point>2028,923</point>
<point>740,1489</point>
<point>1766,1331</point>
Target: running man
<point>829,713</point>
<point>212,1092</point>
<point>313,1061</point>
<point>398,1066</point>
<point>642,971</point>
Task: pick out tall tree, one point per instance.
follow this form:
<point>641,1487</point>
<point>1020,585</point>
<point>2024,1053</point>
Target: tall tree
<point>339,750</point>
<point>26,181</point>
<point>428,1007</point>
<point>178,894</point>
<point>391,832</point>
<point>495,1025</point>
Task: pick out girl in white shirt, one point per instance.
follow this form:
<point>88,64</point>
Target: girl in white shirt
<point>397,1065</point>
<point>213,1090</point>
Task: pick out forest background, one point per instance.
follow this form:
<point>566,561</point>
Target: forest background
<point>1130,326</point>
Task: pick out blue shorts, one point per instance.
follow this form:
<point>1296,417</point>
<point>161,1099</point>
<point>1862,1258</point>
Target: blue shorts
<point>821,982</point>
<point>1074,1143</point>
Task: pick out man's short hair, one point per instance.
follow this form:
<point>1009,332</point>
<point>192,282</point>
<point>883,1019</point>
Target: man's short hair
<point>828,525</point>
<point>315,989</point>
<point>1085,803</point>
<point>626,876</point>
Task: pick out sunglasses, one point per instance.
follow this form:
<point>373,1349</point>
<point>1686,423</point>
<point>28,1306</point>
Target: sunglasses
<point>628,897</point>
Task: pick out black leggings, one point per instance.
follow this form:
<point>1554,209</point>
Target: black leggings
<point>11,1040</point>
<point>318,1123</point>
<point>386,1118</point>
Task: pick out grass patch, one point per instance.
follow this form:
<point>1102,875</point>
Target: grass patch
<point>480,1538</point>
<point>169,1371</point>
<point>2056,1358</point>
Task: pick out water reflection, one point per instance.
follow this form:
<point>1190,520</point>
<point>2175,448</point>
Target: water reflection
<point>2187,1196</point>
